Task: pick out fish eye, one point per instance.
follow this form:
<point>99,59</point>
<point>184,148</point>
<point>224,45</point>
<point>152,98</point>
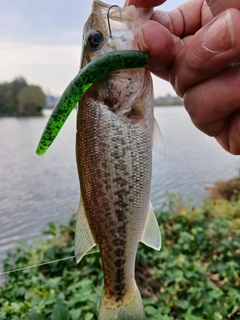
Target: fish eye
<point>95,39</point>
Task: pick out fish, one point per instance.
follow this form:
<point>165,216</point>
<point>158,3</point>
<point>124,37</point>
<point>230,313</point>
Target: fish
<point>115,134</point>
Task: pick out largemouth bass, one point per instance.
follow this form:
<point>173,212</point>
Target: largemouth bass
<point>114,140</point>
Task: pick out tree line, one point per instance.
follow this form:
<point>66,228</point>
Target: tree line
<point>17,98</point>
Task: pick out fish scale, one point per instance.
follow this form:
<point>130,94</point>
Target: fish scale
<point>116,203</point>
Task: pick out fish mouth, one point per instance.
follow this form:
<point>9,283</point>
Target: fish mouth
<point>122,76</point>
<point>117,73</point>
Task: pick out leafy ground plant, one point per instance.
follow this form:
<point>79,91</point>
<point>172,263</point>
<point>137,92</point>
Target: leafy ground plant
<point>229,190</point>
<point>195,276</point>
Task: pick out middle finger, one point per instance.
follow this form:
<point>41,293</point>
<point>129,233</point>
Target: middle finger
<point>208,52</point>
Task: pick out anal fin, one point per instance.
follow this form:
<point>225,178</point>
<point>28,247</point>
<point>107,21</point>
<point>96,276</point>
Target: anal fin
<point>83,237</point>
<point>151,236</point>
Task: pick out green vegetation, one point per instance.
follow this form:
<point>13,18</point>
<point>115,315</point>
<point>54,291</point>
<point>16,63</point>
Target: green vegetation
<point>195,276</point>
<point>228,190</point>
<point>168,101</point>
<point>17,98</point>
<point>168,104</point>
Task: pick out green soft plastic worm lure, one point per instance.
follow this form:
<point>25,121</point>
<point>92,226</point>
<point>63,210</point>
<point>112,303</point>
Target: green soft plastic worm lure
<point>95,70</point>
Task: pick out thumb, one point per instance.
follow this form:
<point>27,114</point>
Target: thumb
<point>161,45</point>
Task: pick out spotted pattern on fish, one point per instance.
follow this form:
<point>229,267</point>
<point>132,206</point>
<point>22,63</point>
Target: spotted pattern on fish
<point>113,177</point>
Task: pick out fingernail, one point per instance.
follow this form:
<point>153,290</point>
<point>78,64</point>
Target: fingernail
<point>220,36</point>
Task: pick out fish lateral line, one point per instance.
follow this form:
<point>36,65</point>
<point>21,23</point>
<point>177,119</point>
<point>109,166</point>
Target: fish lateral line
<point>86,77</point>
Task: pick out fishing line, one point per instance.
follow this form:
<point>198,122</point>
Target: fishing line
<point>42,264</point>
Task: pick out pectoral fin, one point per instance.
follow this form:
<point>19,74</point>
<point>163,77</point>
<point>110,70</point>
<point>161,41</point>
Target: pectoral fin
<point>151,236</point>
<point>83,237</point>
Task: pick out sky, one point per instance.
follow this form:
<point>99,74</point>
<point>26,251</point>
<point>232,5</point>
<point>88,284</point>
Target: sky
<point>41,41</point>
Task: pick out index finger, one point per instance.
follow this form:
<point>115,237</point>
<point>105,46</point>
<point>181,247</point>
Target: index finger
<point>144,3</point>
<point>208,52</point>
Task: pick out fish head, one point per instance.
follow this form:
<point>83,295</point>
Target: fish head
<point>111,28</point>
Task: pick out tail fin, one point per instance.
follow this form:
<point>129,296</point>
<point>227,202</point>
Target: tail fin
<point>128,310</point>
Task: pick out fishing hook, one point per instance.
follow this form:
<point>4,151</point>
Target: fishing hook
<point>108,19</point>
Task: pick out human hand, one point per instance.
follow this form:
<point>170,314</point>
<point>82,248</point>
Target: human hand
<point>218,6</point>
<point>197,52</point>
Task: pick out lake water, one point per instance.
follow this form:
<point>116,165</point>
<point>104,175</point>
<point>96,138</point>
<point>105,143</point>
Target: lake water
<point>36,190</point>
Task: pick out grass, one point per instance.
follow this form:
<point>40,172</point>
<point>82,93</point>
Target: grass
<point>195,276</point>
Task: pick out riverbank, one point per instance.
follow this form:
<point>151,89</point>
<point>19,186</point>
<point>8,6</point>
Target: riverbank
<point>195,276</point>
